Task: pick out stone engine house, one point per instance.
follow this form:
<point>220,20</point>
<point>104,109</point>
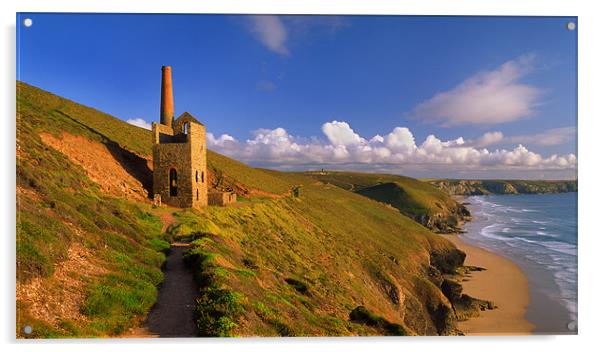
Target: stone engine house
<point>179,154</point>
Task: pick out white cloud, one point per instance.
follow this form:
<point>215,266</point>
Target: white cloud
<point>400,140</point>
<point>489,97</point>
<point>140,123</point>
<point>223,140</point>
<point>271,32</point>
<point>398,148</point>
<point>340,133</point>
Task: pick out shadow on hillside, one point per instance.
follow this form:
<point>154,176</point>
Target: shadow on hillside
<point>132,163</point>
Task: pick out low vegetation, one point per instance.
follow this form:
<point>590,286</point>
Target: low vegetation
<point>281,263</point>
<point>420,201</point>
<point>264,253</point>
<point>218,308</point>
<point>95,258</point>
<point>363,316</point>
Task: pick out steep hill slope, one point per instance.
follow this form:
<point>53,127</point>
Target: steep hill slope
<point>129,145</point>
<point>420,201</point>
<point>88,264</point>
<point>325,262</point>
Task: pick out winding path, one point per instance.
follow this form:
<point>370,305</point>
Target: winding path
<point>173,314</point>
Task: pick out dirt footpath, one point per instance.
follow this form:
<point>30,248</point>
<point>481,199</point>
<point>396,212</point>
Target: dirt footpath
<point>173,314</point>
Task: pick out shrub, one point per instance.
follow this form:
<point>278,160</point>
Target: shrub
<point>217,311</point>
<point>218,308</point>
<point>362,315</point>
<point>301,287</point>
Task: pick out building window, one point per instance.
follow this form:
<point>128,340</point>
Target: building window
<point>173,183</point>
<point>186,127</point>
<point>197,176</point>
<point>197,194</point>
<point>202,176</point>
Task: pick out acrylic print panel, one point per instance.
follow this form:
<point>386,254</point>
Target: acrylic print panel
<point>238,175</point>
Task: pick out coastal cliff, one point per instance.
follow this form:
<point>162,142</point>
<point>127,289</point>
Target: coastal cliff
<point>483,187</point>
<point>420,201</point>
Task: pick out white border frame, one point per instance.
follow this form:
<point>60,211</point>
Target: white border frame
<point>590,180</point>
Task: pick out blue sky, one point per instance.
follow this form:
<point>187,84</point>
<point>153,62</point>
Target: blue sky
<point>464,97</point>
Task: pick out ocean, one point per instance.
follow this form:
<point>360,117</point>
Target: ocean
<point>538,233</point>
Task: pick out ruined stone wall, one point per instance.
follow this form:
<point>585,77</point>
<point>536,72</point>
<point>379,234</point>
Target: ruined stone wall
<point>198,154</point>
<point>185,153</point>
<point>159,130</point>
<point>172,156</point>
<point>221,198</point>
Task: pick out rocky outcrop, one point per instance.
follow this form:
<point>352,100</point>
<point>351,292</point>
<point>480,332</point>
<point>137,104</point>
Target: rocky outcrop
<point>446,271</point>
<point>441,215</point>
<point>482,187</point>
<point>447,261</point>
<point>449,220</point>
<point>464,305</point>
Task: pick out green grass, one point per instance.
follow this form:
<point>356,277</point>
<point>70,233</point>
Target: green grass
<point>60,207</point>
<point>419,200</point>
<point>218,308</point>
<point>364,316</point>
<point>58,115</point>
<point>341,249</point>
<point>420,196</point>
<point>250,177</point>
<point>312,265</point>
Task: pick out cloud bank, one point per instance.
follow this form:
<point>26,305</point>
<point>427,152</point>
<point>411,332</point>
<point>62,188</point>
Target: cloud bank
<point>489,97</point>
<point>344,146</point>
<point>140,123</point>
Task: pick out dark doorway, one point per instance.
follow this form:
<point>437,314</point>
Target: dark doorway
<point>173,183</point>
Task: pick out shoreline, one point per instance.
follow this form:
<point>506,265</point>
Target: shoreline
<point>504,283</point>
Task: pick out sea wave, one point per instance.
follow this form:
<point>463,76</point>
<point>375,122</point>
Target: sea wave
<point>540,232</point>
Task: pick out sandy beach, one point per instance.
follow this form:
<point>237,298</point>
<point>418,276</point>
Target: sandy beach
<point>504,283</point>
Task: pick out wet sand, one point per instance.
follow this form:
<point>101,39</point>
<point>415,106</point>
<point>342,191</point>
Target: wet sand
<point>504,283</point>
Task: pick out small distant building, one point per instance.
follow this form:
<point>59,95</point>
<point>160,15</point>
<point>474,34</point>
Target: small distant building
<point>180,157</point>
<point>221,198</point>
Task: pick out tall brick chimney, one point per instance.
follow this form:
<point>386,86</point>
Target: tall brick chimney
<point>166,96</point>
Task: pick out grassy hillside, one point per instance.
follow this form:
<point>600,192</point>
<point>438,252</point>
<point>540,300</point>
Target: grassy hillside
<point>481,187</point>
<point>245,180</point>
<point>300,266</point>
<point>420,201</point>
<point>57,115</point>
<point>87,264</point>
<point>326,262</point>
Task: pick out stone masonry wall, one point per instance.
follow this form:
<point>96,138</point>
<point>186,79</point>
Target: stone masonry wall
<point>221,198</point>
<point>185,153</point>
